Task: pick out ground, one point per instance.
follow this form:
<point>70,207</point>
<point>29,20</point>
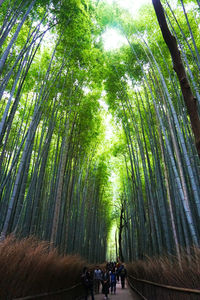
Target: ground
<point>121,294</point>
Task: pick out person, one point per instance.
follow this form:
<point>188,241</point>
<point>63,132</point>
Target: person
<point>118,265</point>
<point>105,283</point>
<point>122,273</point>
<point>113,281</point>
<point>97,279</point>
<point>87,281</point>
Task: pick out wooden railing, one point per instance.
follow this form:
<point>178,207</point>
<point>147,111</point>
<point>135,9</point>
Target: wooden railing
<point>49,293</point>
<point>164,286</point>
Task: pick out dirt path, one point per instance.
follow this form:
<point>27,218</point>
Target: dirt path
<point>121,294</point>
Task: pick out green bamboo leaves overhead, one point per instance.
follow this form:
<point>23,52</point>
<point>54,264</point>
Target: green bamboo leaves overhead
<point>57,162</point>
<point>162,189</point>
<point>53,180</point>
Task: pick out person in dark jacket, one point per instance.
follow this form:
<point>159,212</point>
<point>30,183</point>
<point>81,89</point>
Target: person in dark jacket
<point>118,265</point>
<point>105,283</point>
<point>122,274</point>
<point>87,280</point>
<point>113,281</point>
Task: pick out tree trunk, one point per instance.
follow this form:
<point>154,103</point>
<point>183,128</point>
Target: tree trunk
<point>190,100</point>
<point>7,51</point>
<point>63,161</point>
<point>121,225</point>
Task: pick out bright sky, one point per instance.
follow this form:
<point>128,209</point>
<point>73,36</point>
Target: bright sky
<point>107,121</point>
<point>112,38</point>
<point>131,5</point>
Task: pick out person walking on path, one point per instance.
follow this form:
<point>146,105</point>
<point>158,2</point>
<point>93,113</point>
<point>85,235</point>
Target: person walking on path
<point>113,281</point>
<point>121,294</point>
<point>87,280</point>
<point>97,279</point>
<point>105,283</point>
<point>122,274</point>
<point>118,265</point>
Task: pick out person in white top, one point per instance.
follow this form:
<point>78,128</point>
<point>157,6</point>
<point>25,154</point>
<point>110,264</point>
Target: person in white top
<point>97,279</point>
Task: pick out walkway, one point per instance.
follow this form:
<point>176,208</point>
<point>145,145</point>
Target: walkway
<point>121,294</point>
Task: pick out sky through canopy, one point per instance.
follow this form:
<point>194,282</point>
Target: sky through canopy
<point>112,38</point>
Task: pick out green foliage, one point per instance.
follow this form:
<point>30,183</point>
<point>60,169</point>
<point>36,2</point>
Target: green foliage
<point>61,90</point>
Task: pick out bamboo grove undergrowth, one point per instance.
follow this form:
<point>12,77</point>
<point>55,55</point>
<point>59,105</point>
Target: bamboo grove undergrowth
<point>55,162</point>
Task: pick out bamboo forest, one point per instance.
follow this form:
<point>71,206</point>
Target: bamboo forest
<point>99,145</point>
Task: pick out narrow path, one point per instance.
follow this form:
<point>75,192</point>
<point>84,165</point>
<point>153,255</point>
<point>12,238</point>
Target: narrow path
<point>121,294</point>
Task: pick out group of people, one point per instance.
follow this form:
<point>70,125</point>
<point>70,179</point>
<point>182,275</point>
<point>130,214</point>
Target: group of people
<point>103,279</point>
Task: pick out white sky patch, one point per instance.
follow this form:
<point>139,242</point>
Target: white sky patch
<point>49,38</point>
<point>103,104</point>
<point>131,5</point>
<point>107,120</point>
<point>86,90</point>
<point>112,39</point>
<point>111,249</point>
<point>129,81</point>
<point>109,127</point>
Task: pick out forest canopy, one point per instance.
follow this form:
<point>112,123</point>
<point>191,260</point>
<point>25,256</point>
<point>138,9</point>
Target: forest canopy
<point>96,136</point>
